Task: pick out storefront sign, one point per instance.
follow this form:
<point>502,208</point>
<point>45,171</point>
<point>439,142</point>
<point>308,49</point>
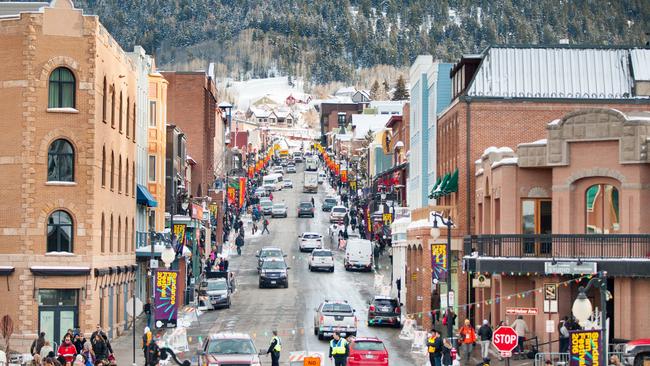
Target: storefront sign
<point>586,348</point>
<point>179,231</point>
<point>165,306</point>
<point>567,268</point>
<point>521,311</point>
<point>388,218</point>
<point>197,212</point>
<point>439,261</point>
<point>214,209</point>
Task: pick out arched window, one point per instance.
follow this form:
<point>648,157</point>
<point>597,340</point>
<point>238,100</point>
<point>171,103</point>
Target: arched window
<point>133,180</point>
<point>113,105</point>
<point>110,236</point>
<point>59,232</point>
<point>602,209</point>
<point>133,235</point>
<point>104,100</point>
<point>103,166</point>
<point>119,174</point>
<point>126,178</point>
<point>121,112</point>
<point>61,89</point>
<point>60,161</point>
<point>112,170</point>
<point>134,123</point>
<point>119,233</point>
<point>103,233</point>
<point>128,118</point>
<point>126,234</point>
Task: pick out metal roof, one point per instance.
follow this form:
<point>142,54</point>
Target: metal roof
<point>559,72</point>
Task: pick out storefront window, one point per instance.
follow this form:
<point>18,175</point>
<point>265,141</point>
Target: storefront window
<point>536,219</point>
<point>602,209</point>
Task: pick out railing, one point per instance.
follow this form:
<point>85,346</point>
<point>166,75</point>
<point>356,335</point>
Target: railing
<point>560,245</point>
<point>141,239</point>
<point>562,359</point>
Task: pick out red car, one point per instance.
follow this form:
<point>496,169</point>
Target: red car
<point>368,351</point>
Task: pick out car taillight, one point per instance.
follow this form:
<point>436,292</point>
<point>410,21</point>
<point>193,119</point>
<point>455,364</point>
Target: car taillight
<point>398,310</point>
<point>372,308</point>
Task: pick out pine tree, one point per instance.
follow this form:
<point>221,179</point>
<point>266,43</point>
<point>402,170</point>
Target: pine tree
<point>374,91</point>
<point>400,92</point>
<point>386,87</point>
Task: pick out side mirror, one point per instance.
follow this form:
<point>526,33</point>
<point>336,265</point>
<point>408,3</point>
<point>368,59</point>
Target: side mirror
<point>284,255</point>
<point>257,255</point>
<point>401,304</point>
<point>354,310</point>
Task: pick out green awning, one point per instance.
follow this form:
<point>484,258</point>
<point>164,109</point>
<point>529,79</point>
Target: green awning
<point>441,187</point>
<point>452,184</point>
<point>435,186</point>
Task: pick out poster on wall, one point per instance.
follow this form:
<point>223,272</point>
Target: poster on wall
<point>586,348</point>
<point>165,306</point>
<point>439,262</point>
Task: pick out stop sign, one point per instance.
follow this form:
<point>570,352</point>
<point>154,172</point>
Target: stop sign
<point>505,339</point>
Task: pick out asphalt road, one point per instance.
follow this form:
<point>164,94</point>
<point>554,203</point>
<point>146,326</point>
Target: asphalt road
<point>291,311</point>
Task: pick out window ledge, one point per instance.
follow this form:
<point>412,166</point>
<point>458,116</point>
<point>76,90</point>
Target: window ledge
<point>59,254</point>
<point>62,110</point>
<point>62,184</point>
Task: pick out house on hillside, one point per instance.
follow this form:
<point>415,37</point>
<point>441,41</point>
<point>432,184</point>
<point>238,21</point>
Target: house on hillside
<point>361,96</point>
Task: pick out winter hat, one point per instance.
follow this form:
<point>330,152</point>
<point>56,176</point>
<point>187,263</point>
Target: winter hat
<point>485,322</point>
<point>146,330</point>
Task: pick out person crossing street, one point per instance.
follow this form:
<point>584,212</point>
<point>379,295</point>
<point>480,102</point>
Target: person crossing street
<point>265,226</point>
<point>239,242</point>
<point>339,350</point>
<point>274,349</point>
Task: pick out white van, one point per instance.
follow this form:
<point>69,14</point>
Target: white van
<point>273,180</point>
<point>358,254</point>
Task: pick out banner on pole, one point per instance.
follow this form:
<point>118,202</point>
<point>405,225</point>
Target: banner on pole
<point>179,231</point>
<point>165,306</point>
<point>586,348</point>
<point>439,261</point>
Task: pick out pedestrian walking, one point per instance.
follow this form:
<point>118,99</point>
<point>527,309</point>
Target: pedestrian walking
<point>147,311</point>
<point>339,350</point>
<point>146,342</point>
<point>485,334</point>
<point>37,344</point>
<point>66,351</point>
<point>564,335</point>
<point>46,349</point>
<point>467,337</point>
<point>79,361</point>
<point>153,354</point>
<point>447,358</point>
<point>313,203</point>
<point>274,349</point>
<point>78,342</point>
<point>239,242</point>
<point>103,335</point>
<point>521,328</point>
<point>434,348</point>
<point>265,226</point>
<point>346,222</point>
<point>100,348</point>
<point>88,354</point>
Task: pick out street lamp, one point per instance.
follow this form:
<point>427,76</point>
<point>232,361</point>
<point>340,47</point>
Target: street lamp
<point>435,233</point>
<point>168,255</point>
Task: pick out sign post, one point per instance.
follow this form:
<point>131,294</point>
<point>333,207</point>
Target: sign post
<point>505,340</point>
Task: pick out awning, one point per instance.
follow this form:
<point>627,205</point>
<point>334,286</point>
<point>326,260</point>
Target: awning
<point>145,198</point>
<point>59,271</point>
<point>6,270</point>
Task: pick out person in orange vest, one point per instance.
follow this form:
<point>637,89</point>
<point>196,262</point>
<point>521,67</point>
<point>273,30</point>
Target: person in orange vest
<point>467,338</point>
<point>434,347</point>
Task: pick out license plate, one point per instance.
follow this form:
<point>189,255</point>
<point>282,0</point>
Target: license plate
<point>385,309</point>
<point>370,356</point>
<point>273,282</point>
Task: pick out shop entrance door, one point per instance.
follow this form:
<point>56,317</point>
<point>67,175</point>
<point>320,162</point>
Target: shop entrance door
<point>57,312</point>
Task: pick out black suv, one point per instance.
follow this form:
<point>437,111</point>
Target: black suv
<point>274,272</point>
<point>384,310</point>
<point>305,209</point>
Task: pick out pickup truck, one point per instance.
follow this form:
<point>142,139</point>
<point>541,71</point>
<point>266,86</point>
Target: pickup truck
<point>636,352</point>
<point>335,316</point>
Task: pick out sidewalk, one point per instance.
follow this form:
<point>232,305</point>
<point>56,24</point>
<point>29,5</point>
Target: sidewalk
<point>123,345</point>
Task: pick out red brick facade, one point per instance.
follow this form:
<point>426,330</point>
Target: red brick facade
<point>192,106</point>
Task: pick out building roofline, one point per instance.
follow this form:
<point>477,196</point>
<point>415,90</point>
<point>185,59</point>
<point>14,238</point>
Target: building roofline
<point>567,46</point>
<point>646,100</point>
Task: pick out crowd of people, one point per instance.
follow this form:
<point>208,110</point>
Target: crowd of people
<point>74,350</point>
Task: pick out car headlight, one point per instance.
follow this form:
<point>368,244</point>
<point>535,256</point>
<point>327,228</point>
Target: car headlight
<point>628,349</point>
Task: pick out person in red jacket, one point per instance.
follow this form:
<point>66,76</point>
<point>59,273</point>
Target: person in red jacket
<point>67,350</point>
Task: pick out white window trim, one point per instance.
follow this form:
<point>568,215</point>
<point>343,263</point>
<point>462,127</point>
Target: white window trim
<point>62,110</point>
<point>60,183</point>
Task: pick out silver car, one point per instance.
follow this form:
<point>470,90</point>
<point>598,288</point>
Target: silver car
<point>279,210</point>
<point>291,169</point>
<point>310,241</point>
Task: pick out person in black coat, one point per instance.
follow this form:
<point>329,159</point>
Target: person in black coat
<point>100,348</point>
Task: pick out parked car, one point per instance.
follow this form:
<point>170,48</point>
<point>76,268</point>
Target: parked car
<point>288,183</point>
<point>291,169</point>
<point>229,348</point>
<point>368,351</point>
<point>321,177</point>
<point>261,192</point>
<point>329,203</point>
<point>384,310</point>
<point>636,352</point>
<point>335,316</point>
<point>279,210</point>
<point>215,292</point>
<point>338,213</point>
<point>358,254</point>
<point>268,253</point>
<point>305,209</point>
<point>309,241</point>
<point>274,272</point>
<point>321,259</point>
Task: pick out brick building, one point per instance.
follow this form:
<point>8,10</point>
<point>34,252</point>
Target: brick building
<point>68,204</point>
<point>329,116</point>
<point>192,106</point>
<point>552,202</point>
<point>506,96</point>
<point>157,144</point>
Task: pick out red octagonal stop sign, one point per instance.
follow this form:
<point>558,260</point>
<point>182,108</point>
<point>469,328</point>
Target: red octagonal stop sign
<point>505,339</point>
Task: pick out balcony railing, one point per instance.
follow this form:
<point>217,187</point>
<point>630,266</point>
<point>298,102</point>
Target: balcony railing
<point>559,246</point>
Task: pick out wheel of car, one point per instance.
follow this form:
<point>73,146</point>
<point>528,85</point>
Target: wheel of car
<point>260,284</point>
<point>312,216</point>
<point>228,304</point>
<point>320,336</point>
<point>398,325</point>
<point>310,270</point>
<point>369,324</point>
<point>286,284</point>
<point>315,330</point>
<point>332,269</point>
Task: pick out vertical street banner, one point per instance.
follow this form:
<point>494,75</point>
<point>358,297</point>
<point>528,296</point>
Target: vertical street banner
<point>586,348</point>
<point>214,209</point>
<point>179,231</point>
<point>165,306</point>
<point>242,191</point>
<point>439,262</point>
<point>231,195</point>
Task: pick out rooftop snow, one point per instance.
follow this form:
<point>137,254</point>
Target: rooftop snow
<point>505,161</point>
<point>368,122</point>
